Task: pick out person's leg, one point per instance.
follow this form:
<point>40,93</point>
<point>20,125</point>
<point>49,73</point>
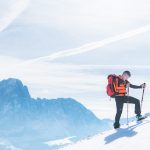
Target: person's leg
<point>119,107</point>
<point>135,101</point>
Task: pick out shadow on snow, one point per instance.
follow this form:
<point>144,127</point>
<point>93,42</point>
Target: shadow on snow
<point>123,132</point>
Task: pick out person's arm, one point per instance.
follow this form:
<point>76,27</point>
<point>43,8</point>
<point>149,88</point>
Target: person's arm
<point>134,86</point>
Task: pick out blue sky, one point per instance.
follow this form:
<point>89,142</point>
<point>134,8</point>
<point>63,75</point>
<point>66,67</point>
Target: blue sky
<point>30,29</point>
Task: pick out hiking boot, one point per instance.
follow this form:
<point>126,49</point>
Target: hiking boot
<point>139,117</point>
<point>116,125</point>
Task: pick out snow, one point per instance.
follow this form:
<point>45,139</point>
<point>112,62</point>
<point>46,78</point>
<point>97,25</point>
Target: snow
<point>50,124</point>
<point>136,136</point>
<point>42,120</point>
<point>59,142</point>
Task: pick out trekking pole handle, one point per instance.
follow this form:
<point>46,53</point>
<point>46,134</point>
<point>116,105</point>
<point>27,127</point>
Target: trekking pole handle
<point>144,85</point>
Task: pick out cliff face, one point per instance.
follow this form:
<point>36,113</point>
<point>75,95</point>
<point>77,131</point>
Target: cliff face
<point>52,118</point>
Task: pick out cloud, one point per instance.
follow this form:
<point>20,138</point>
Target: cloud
<point>89,46</point>
<point>13,10</point>
<point>64,24</point>
<point>53,80</point>
<point>7,145</point>
<point>87,14</point>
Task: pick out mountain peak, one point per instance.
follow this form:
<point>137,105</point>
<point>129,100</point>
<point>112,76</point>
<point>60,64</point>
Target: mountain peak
<point>12,87</point>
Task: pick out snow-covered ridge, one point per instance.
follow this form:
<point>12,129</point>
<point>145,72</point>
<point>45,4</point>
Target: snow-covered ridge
<point>135,136</point>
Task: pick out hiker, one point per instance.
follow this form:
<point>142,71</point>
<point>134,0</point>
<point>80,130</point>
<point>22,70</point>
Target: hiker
<point>121,96</point>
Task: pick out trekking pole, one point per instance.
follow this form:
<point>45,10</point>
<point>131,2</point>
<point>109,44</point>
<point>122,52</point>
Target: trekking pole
<point>142,96</point>
<point>127,106</point>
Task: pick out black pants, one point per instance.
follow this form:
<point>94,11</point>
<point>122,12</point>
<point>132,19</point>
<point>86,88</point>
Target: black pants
<point>120,100</point>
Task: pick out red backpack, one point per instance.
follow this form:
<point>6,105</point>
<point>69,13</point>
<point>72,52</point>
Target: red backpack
<point>110,87</point>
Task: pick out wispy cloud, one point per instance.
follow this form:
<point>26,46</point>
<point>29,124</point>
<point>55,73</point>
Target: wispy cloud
<point>7,145</point>
<point>53,80</point>
<point>15,8</point>
<point>89,46</point>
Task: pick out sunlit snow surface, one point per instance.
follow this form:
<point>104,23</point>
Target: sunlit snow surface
<point>136,136</point>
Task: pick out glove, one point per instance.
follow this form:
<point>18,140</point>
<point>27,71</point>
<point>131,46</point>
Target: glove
<point>143,85</point>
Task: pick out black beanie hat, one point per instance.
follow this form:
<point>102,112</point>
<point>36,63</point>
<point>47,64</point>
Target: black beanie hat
<point>127,72</point>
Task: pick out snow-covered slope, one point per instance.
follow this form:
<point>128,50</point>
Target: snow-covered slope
<point>135,136</point>
<point>28,123</point>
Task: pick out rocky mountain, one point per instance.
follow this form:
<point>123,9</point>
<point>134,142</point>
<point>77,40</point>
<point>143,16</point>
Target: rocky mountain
<point>24,118</point>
